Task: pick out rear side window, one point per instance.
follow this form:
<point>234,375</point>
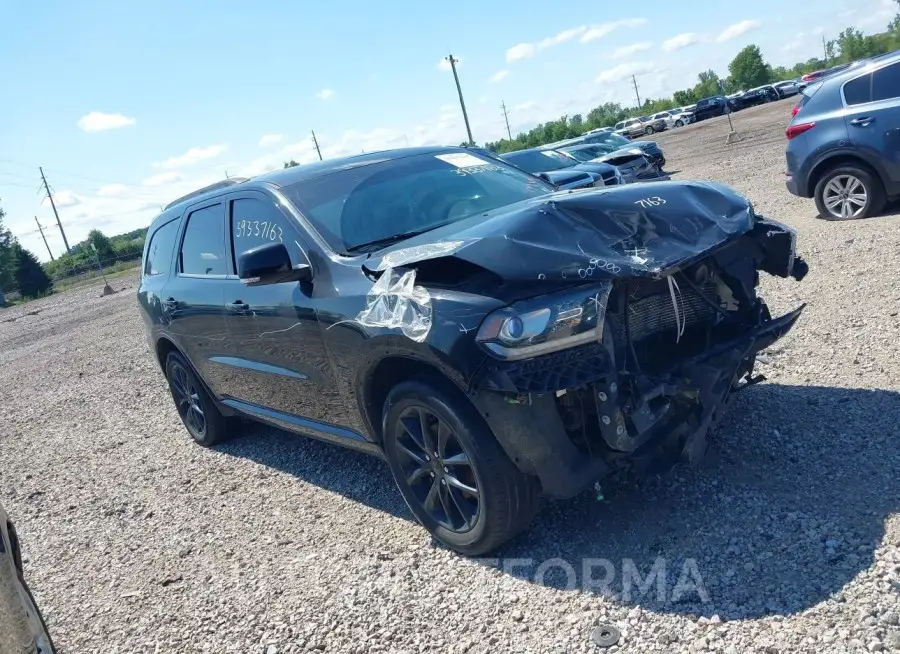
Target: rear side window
<point>203,247</point>
<point>886,83</point>
<point>858,91</point>
<point>159,252</point>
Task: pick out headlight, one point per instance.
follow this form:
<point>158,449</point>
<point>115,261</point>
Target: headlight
<point>546,324</point>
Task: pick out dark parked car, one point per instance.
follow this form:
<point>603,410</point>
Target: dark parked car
<point>788,88</point>
<point>22,627</point>
<point>564,178</point>
<point>493,339</point>
<point>844,138</point>
<point>650,149</point>
<point>538,161</point>
<point>757,96</point>
<point>716,105</point>
<point>631,162</point>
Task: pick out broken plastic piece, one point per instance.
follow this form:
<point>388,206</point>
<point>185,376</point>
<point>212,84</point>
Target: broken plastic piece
<point>402,257</point>
<point>395,302</point>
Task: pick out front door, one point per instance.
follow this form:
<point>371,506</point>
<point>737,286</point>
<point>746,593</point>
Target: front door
<point>873,116</point>
<point>276,349</point>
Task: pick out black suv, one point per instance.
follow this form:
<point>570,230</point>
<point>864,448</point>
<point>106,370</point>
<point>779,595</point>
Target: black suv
<point>493,339</point>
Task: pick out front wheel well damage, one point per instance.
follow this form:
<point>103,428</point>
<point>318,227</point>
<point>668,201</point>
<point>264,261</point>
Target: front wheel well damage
<point>385,375</point>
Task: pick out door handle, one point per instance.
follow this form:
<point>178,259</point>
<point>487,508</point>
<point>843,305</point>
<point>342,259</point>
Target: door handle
<point>170,304</point>
<point>862,122</point>
<point>239,307</point>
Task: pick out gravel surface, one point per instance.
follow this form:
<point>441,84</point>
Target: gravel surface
<point>137,540</point>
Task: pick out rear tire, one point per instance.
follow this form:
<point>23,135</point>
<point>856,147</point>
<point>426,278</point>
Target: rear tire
<point>858,184</point>
<point>197,410</point>
<point>422,419</point>
<point>679,123</point>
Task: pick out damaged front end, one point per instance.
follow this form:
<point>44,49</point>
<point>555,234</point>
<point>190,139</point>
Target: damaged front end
<point>635,355</point>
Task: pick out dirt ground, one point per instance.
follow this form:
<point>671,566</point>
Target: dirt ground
<point>137,540</point>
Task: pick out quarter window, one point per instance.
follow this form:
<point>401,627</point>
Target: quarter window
<point>203,247</point>
<point>886,83</point>
<point>159,252</point>
<point>859,90</point>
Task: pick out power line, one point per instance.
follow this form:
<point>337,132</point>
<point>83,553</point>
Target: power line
<point>316,143</point>
<point>506,117</point>
<point>462,102</point>
<point>637,95</point>
<point>41,230</point>
<point>55,212</point>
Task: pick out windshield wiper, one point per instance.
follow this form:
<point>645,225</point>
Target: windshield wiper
<point>388,240</point>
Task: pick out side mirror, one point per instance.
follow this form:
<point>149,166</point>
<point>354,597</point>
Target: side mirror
<point>270,264</point>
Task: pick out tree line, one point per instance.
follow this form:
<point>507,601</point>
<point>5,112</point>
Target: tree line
<point>747,70</point>
<point>20,269</point>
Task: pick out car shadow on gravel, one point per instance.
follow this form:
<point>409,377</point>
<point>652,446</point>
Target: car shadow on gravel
<point>357,476</point>
<point>788,508</point>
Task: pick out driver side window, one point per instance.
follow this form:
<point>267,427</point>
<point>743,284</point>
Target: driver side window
<point>256,222</point>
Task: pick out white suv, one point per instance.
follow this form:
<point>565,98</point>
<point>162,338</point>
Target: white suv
<point>674,118</point>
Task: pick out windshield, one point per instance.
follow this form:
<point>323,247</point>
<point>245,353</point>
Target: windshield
<point>588,152</point>
<point>608,138</point>
<point>361,205</point>
<point>539,161</point>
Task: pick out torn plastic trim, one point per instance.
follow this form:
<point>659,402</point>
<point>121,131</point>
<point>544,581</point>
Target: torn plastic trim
<point>416,253</point>
<point>396,302</point>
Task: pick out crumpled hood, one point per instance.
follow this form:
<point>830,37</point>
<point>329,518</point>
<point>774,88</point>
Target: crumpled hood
<point>635,230</point>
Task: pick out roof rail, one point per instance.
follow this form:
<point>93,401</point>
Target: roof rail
<point>231,181</point>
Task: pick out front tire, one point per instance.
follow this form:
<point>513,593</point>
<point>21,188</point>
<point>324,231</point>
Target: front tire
<point>679,123</point>
<point>199,414</point>
<point>849,192</point>
<point>649,129</point>
<point>452,472</point>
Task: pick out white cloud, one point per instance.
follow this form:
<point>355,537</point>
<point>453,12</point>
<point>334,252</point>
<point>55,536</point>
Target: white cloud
<point>736,30</point>
<point>520,51</point>
<point>270,139</point>
<point>595,32</point>
<point>192,156</point>
<point>97,121</point>
<point>498,76</point>
<point>681,41</point>
<point>624,71</point>
<point>63,199</point>
<point>562,37</point>
<point>628,50</point>
<point>584,33</point>
<point>112,190</point>
<point>163,178</point>
<point>525,106</point>
<point>325,94</point>
<point>818,30</point>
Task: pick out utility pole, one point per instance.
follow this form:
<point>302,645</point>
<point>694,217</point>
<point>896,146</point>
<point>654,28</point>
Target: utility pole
<point>462,102</point>
<point>825,50</point>
<point>55,212</point>
<point>317,145</point>
<point>637,95</point>
<point>506,116</point>
<point>41,230</point>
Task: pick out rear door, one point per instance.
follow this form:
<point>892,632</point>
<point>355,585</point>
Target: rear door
<point>193,299</point>
<point>276,351</point>
<point>872,116</point>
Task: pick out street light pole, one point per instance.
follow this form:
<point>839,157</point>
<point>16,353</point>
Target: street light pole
<point>462,102</point>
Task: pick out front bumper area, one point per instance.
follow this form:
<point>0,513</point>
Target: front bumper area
<point>668,419</point>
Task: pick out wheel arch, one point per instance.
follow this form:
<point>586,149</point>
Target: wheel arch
<point>839,158</point>
<point>385,373</point>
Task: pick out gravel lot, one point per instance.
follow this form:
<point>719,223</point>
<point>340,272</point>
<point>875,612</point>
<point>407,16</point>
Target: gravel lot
<point>137,540</point>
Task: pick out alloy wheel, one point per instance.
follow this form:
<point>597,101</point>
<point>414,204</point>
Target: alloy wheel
<point>437,469</point>
<point>845,196</point>
<point>187,399</point>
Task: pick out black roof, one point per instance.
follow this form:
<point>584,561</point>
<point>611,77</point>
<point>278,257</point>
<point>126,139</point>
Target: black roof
<point>287,176</point>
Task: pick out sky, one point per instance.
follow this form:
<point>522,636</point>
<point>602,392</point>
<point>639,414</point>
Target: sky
<point>128,105</point>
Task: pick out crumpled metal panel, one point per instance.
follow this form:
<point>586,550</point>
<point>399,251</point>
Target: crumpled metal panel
<point>631,231</point>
